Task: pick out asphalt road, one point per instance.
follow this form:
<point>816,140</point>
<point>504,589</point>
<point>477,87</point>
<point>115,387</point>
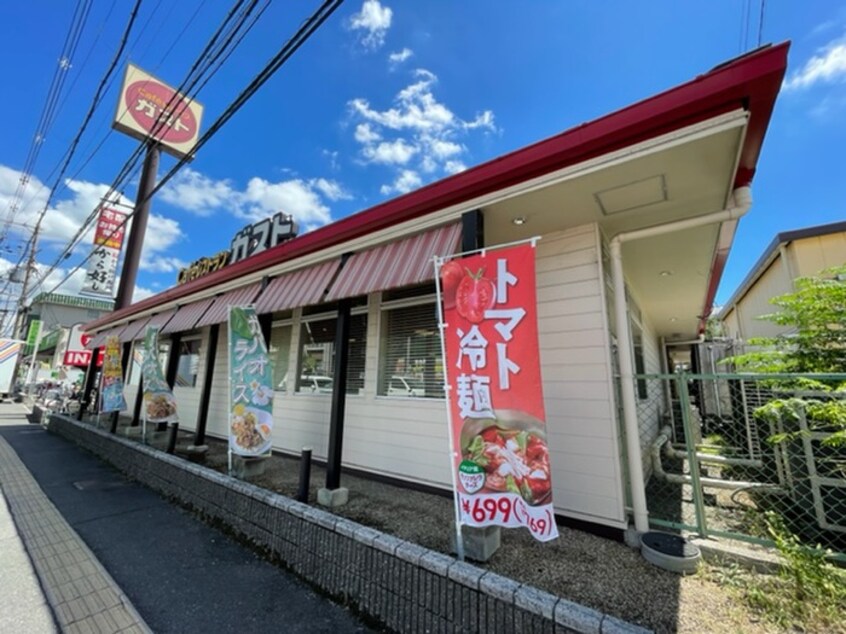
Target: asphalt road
<point>181,574</point>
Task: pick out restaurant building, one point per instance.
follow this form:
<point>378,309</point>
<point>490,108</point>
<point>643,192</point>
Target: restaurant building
<point>635,211</point>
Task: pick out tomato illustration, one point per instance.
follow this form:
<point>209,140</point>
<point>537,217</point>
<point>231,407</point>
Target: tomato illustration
<point>451,274</point>
<point>475,295</point>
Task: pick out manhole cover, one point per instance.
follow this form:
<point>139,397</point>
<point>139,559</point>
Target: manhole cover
<point>98,485</point>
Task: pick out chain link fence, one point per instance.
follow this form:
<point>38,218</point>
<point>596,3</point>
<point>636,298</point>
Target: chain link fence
<point>720,451</point>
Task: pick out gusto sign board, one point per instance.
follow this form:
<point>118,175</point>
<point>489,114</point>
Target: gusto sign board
<point>149,107</point>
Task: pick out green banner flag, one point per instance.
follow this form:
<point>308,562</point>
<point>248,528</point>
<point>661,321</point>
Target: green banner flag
<point>250,385</point>
<point>159,403</point>
<point>34,332</point>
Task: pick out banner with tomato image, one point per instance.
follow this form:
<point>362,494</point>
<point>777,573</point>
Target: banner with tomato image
<point>498,422</point>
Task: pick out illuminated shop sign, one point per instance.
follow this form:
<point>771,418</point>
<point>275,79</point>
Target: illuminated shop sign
<point>249,241</point>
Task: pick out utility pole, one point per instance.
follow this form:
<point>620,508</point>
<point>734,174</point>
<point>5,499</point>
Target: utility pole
<point>30,265</point>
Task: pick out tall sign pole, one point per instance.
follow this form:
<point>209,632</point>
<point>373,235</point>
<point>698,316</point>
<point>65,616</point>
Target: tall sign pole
<point>129,273</point>
<point>165,120</point>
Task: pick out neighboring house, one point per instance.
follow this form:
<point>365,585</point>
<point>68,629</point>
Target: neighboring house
<point>58,314</point>
<point>791,254</point>
<point>631,252</point>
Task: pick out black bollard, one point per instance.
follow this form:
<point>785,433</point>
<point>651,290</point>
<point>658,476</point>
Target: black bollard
<point>305,475</point>
<point>171,438</point>
<point>113,428</point>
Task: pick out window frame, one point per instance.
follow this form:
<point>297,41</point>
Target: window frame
<point>188,339</point>
<point>324,316</point>
<point>398,304</point>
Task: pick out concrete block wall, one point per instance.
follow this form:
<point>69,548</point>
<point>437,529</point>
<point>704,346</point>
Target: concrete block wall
<point>403,586</point>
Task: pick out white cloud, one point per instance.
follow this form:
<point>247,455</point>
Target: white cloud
<point>453,167</point>
<point>444,149</point>
<point>295,197</point>
<point>364,133</point>
<point>828,66</point>
<point>162,234</point>
<point>404,183</point>
<point>399,57</point>
<point>394,152</point>
<point>303,199</point>
<point>331,189</point>
<point>417,131</point>
<point>195,192</point>
<point>373,20</point>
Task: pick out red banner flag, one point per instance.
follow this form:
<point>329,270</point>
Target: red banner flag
<point>498,423</point>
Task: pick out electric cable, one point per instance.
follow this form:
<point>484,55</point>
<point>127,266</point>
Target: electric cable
<point>305,31</point>
<point>210,54</point>
<point>47,116</point>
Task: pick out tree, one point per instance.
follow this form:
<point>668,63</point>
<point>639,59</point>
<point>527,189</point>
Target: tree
<point>816,342</point>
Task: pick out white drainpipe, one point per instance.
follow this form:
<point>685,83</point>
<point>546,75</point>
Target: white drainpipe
<point>740,204</point>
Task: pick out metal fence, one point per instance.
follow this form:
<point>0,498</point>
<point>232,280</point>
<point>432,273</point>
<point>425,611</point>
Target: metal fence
<point>720,451</point>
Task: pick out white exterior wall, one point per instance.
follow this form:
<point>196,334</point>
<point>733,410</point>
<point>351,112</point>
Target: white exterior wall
<point>408,438</point>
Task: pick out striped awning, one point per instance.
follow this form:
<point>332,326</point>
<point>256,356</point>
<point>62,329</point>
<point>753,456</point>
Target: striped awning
<point>219,311</point>
<point>134,330</point>
<point>299,288</point>
<point>99,340</point>
<point>187,316</point>
<point>401,263</point>
<point>160,319</point>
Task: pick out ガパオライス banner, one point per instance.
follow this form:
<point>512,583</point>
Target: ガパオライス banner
<point>250,385</point>
<point>498,423</point>
<point>159,403</point>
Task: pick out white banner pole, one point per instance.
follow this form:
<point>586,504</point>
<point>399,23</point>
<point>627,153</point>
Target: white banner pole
<point>459,538</point>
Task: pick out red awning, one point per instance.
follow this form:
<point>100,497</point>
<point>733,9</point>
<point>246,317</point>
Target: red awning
<point>219,311</point>
<point>161,319</point>
<point>187,316</point>
<point>99,339</point>
<point>300,288</point>
<point>396,264</point>
<point>134,329</point>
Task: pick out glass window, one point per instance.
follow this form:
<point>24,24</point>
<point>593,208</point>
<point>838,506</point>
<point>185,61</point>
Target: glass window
<point>411,364</point>
<point>317,355</point>
<point>189,363</point>
<point>137,359</point>
<point>280,351</point>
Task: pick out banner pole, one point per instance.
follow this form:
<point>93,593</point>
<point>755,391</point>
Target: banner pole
<point>459,538</point>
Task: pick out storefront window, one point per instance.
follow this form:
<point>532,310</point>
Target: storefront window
<point>411,364</point>
<point>280,352</point>
<point>317,355</point>
<point>135,363</point>
<point>189,363</point>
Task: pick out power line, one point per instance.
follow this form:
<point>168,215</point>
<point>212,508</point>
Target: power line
<point>213,51</point>
<point>761,22</point>
<point>48,113</point>
<point>305,31</point>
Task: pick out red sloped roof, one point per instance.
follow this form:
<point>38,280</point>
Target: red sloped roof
<point>751,81</point>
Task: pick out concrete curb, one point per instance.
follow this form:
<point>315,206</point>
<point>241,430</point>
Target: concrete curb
<point>403,585</point>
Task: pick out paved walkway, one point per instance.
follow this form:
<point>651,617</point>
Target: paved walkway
<point>68,512</point>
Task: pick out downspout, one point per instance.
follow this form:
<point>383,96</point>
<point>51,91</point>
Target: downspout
<point>740,204</point>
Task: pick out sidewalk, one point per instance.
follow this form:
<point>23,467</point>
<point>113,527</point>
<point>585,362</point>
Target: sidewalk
<point>68,512</point>
<point>56,578</point>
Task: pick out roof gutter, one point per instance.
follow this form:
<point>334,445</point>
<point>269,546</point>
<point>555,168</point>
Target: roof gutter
<point>741,201</point>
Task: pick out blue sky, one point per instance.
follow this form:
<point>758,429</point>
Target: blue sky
<point>387,96</point>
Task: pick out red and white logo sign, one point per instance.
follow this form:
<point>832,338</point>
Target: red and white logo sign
<point>75,353</point>
<point>150,107</point>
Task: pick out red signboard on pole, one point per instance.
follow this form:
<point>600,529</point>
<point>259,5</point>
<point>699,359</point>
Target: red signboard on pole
<point>497,417</point>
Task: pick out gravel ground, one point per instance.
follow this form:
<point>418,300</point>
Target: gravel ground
<point>594,571</point>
